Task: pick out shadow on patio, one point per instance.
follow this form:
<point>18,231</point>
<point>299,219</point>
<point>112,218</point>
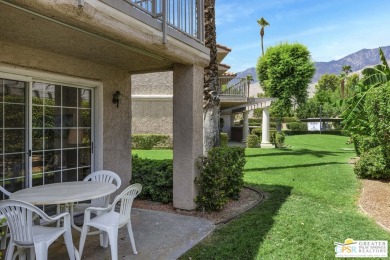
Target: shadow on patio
<point>157,235</point>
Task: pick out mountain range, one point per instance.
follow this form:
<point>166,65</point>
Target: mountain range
<point>358,61</point>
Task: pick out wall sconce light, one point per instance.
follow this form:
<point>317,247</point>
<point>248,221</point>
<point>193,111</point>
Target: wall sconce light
<point>116,97</point>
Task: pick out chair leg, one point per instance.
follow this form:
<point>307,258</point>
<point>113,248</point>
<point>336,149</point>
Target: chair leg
<point>83,236</point>
<point>69,244</point>
<point>41,251</point>
<point>130,230</point>
<point>113,238</point>
<point>10,251</point>
<point>104,239</point>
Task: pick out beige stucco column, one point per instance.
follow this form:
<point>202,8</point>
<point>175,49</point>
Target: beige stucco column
<point>265,143</point>
<point>245,126</point>
<point>187,132</point>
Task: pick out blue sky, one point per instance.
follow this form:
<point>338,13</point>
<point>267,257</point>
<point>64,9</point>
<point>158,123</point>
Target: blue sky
<point>331,29</point>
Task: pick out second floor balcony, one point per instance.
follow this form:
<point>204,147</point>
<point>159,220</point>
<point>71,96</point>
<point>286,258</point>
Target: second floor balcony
<point>134,35</point>
<point>180,19</point>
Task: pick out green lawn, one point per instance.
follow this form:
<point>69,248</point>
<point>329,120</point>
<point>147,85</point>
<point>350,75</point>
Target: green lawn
<point>312,203</point>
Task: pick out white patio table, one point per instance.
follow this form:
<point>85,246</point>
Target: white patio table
<point>66,193</point>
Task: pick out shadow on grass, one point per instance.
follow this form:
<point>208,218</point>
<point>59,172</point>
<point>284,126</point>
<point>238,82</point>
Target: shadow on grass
<point>292,152</point>
<point>242,238</point>
<point>291,166</point>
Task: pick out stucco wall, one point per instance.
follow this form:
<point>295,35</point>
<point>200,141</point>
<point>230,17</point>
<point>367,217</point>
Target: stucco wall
<point>159,83</point>
<point>152,116</point>
<point>152,103</point>
<point>116,121</point>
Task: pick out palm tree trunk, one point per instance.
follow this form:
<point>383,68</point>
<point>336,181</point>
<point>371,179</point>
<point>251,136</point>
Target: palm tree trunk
<point>211,90</point>
<point>262,36</point>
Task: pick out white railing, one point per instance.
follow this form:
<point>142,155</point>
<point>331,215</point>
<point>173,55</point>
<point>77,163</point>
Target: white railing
<point>185,16</point>
<point>233,87</point>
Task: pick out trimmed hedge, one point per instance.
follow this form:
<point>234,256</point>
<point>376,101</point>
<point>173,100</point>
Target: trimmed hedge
<point>156,177</point>
<point>223,138</point>
<point>148,141</point>
<point>275,137</point>
<point>325,132</point>
<point>252,141</point>
<point>252,121</point>
<point>221,177</point>
<point>296,126</point>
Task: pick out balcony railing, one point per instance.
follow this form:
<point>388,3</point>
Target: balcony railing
<point>172,17</point>
<point>233,86</point>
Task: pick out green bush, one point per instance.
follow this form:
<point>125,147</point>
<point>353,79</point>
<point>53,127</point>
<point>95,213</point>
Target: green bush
<point>223,138</point>
<point>252,141</point>
<point>148,141</point>
<point>257,131</point>
<point>274,137</point>
<point>289,119</point>
<point>279,139</point>
<point>156,177</point>
<point>297,126</point>
<point>221,177</point>
<point>253,121</point>
<point>373,164</point>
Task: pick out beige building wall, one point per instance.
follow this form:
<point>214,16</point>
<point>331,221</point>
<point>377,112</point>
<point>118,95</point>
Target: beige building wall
<point>112,138</point>
<point>152,105</point>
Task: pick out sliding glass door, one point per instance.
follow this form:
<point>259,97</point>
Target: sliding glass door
<point>13,134</point>
<point>46,133</point>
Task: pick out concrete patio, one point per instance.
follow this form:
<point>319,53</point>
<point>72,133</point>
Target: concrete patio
<point>158,235</point>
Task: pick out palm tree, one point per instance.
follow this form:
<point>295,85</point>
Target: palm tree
<point>211,88</point>
<point>249,79</point>
<point>263,23</point>
<point>346,69</point>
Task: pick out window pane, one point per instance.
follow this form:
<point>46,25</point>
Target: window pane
<point>14,185</point>
<point>69,175</point>
<point>38,93</point>
<point>37,162</point>
<point>14,91</point>
<point>14,165</point>
<point>85,98</point>
<point>37,179</point>
<point>84,157</point>
<point>37,139</point>
<point>52,139</point>
<point>84,118</point>
<point>69,97</point>
<point>52,95</point>
<point>69,117</point>
<point>37,116</point>
<point>14,141</point>
<point>86,140</point>
<point>52,117</point>
<point>52,161</point>
<point>14,115</point>
<point>69,158</point>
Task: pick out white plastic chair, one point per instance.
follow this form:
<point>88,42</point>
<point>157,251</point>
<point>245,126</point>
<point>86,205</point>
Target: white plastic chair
<point>4,227</point>
<point>102,176</point>
<point>38,238</point>
<point>109,221</point>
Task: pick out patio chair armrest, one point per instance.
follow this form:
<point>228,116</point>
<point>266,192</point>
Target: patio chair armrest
<point>89,210</point>
<point>56,217</point>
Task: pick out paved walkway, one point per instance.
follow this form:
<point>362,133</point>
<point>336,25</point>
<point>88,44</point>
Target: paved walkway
<point>157,235</point>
